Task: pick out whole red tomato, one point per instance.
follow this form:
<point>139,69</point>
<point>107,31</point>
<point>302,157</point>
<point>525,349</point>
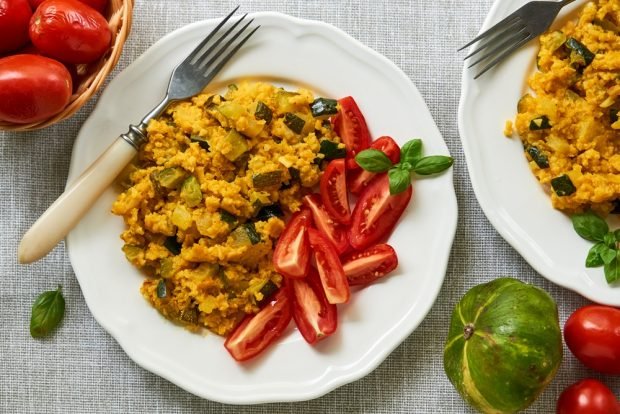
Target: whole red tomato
<point>588,396</point>
<point>98,5</point>
<point>32,88</point>
<point>14,18</point>
<point>70,31</point>
<point>592,333</point>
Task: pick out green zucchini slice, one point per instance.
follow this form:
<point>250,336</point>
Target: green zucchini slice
<point>540,123</point>
<point>563,186</point>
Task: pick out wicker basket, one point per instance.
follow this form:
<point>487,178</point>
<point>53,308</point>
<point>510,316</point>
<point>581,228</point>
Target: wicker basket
<point>93,75</point>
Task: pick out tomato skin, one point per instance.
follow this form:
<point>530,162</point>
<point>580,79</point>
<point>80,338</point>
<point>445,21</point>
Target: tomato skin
<point>14,18</point>
<point>256,332</point>
<point>330,268</point>
<point>359,181</point>
<point>32,88</point>
<point>315,317</point>
<point>334,191</point>
<point>592,333</point>
<point>335,232</point>
<point>291,257</point>
<point>376,212</point>
<point>70,31</point>
<point>362,268</point>
<point>98,5</point>
<point>588,396</point>
<point>350,125</point>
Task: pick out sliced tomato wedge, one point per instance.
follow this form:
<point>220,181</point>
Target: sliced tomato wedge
<point>291,257</point>
<point>350,125</point>
<point>330,269</point>
<point>358,181</point>
<point>335,232</point>
<point>315,317</point>
<point>362,268</point>
<point>257,332</point>
<point>334,191</point>
<point>376,212</point>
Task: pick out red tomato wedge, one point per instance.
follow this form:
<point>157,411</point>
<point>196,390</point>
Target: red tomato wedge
<point>334,191</point>
<point>362,268</point>
<point>330,269</point>
<point>291,256</point>
<point>315,317</point>
<point>335,232</point>
<point>359,181</point>
<point>376,212</point>
<point>350,125</point>
<point>257,332</point>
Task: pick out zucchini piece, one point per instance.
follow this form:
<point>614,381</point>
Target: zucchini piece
<point>294,123</point>
<point>295,177</point>
<point>268,290</point>
<point>613,115</point>
<point>227,217</point>
<point>563,186</point>
<point>162,290</point>
<point>167,268</point>
<point>284,102</point>
<point>170,178</point>
<point>245,235</point>
<point>267,179</point>
<point>607,24</point>
<point>206,269</point>
<point>331,150</point>
<point>172,245</point>
<point>233,87</point>
<point>540,123</point>
<point>538,157</point>
<point>190,191</point>
<point>238,145</point>
<point>181,217</point>
<point>523,103</point>
<point>132,252</point>
<point>189,315</point>
<point>231,110</point>
<point>324,108</point>
<point>580,55</point>
<point>266,212</point>
<point>213,101</point>
<point>555,40</point>
<point>263,112</point>
<point>204,144</point>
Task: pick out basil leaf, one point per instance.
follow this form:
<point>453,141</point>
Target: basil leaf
<point>411,152</point>
<point>590,226</point>
<point>47,312</point>
<point>617,235</point>
<point>373,160</point>
<point>610,240</point>
<point>594,258</point>
<point>612,270</point>
<point>432,165</point>
<point>607,254</point>
<point>399,180</point>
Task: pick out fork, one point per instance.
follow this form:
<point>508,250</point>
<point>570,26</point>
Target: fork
<point>514,31</point>
<point>188,78</point>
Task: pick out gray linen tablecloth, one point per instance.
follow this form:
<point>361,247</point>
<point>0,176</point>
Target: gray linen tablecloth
<point>82,369</point>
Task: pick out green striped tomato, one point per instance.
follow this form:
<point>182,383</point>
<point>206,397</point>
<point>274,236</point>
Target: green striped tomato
<point>504,345</point>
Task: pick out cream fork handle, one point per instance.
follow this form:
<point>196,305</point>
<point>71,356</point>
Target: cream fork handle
<point>74,203</point>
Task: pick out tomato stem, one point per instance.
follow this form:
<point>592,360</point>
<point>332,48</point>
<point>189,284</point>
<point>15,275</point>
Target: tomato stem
<point>468,331</point>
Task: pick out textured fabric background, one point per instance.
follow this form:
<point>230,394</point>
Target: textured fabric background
<point>81,369</point>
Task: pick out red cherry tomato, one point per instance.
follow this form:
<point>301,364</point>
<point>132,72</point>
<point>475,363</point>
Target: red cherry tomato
<point>362,268</point>
<point>291,256</point>
<point>361,179</point>
<point>70,31</point>
<point>98,5</point>
<point>376,212</point>
<point>330,269</point>
<point>588,396</point>
<point>335,232</point>
<point>257,332</point>
<point>592,333</point>
<point>350,125</point>
<point>32,88</point>
<point>14,18</point>
<point>334,191</point>
<point>315,317</point>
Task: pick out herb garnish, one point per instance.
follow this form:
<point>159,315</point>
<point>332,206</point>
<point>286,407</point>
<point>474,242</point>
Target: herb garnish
<point>411,161</point>
<point>605,251</point>
<point>47,312</point>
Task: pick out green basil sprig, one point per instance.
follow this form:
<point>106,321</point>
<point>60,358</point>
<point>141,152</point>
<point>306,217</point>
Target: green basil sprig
<point>47,312</point>
<point>605,251</point>
<point>411,161</point>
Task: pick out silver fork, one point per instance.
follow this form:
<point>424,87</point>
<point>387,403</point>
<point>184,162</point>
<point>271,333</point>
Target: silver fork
<point>514,31</point>
<point>188,79</point>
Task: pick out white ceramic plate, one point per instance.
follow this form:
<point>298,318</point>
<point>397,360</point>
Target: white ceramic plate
<point>288,51</point>
<point>508,192</point>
